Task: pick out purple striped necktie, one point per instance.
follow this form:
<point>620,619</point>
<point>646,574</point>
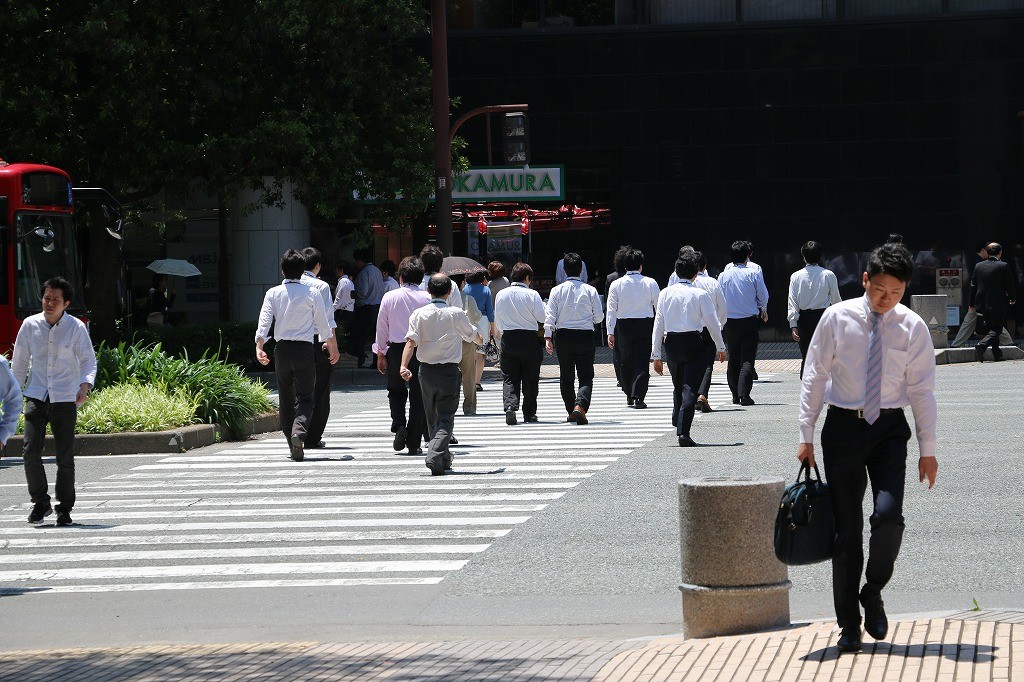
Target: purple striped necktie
<point>873,387</point>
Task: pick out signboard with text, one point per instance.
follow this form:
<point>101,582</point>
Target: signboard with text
<point>544,183</point>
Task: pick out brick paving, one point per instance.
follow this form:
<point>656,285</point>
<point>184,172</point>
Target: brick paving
<point>981,645</point>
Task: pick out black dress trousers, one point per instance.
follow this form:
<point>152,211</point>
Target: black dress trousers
<point>686,363</point>
<point>400,391</point>
<point>321,394</point>
<point>805,326</point>
<point>296,379</point>
<point>521,357</point>
<point>633,338</point>
<point>741,340</point>
<point>855,452</point>
<point>575,350</point>
<point>710,355</point>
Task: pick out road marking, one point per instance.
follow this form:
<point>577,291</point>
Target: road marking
<point>222,570</point>
<point>218,585</point>
<point>247,552</point>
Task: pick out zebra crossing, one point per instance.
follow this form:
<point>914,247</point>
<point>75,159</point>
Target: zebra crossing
<point>355,513</point>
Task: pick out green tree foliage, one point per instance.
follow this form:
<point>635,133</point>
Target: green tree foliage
<point>136,95</point>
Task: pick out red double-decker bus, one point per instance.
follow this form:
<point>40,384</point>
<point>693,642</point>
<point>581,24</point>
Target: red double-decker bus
<point>39,239</point>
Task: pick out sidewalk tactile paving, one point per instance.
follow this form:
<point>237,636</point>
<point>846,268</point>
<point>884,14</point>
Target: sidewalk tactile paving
<point>960,646</point>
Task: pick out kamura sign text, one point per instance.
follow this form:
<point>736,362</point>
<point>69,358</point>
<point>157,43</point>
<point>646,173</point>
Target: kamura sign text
<point>490,184</point>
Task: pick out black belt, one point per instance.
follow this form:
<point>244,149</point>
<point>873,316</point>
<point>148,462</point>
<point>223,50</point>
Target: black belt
<point>810,310</point>
<point>859,413</point>
<point>681,333</point>
<point>310,343</point>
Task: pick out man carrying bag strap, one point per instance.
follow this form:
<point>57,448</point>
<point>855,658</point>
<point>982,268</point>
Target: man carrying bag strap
<point>869,358</point>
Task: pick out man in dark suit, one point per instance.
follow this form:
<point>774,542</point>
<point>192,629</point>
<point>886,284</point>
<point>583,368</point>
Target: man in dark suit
<point>993,290</point>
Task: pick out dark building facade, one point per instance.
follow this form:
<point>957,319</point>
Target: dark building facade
<point>837,131</point>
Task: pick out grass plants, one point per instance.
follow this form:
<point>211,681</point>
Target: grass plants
<point>220,392</point>
<point>135,407</point>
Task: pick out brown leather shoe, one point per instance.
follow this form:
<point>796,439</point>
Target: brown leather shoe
<point>703,405</point>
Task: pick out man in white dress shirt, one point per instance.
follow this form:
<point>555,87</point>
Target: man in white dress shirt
<point>631,302</point>
<point>573,309</point>
<point>518,314</point>
<point>869,358</point>
<point>298,315</point>
<point>324,368</point>
<point>344,305</point>
<point>55,363</point>
<point>710,285</point>
<point>436,332</point>
<point>811,289</point>
<point>683,311</point>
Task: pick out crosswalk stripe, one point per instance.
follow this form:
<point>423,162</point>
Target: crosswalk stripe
<point>221,585</point>
<point>62,539</point>
<point>222,570</point>
<point>249,552</point>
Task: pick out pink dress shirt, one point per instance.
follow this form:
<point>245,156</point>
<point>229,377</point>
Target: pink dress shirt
<point>395,309</point>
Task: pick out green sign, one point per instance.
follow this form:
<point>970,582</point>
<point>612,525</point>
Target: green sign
<point>501,184</point>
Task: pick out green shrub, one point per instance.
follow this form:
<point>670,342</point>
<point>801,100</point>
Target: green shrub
<point>135,407</point>
<point>222,394</point>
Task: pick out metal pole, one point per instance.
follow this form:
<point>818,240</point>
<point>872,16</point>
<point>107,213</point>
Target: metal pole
<point>442,144</point>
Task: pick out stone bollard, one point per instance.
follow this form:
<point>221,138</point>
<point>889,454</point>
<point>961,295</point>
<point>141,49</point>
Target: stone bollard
<point>932,308</point>
<point>732,581</point>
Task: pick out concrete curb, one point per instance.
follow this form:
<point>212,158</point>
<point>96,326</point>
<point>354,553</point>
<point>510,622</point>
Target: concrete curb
<point>153,442</point>
<point>951,356</point>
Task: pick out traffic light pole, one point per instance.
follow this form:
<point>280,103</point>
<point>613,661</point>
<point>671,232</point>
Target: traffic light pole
<point>442,140</point>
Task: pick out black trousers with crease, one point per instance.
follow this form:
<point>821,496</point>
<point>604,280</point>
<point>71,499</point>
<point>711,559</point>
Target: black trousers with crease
<point>854,453</point>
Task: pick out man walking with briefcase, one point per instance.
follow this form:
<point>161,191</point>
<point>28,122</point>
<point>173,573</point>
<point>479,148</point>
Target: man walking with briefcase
<point>869,358</point>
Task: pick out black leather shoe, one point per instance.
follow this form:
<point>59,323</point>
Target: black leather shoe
<point>979,354</point>
<point>39,512</point>
<point>453,441</point>
<point>415,451</point>
<point>746,401</point>
<point>400,436</point>
<point>849,640</point>
<point>510,417</point>
<point>296,449</point>
<point>319,445</point>
<point>735,401</point>
<point>639,404</point>
<point>686,442</point>
<point>629,402</point>
<point>435,469</point>
<point>532,419</point>
<point>875,622</point>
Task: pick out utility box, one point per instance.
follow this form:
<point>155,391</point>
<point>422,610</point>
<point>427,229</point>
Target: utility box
<point>950,281</point>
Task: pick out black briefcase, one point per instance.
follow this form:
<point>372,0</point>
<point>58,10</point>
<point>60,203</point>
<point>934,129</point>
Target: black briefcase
<point>805,528</point>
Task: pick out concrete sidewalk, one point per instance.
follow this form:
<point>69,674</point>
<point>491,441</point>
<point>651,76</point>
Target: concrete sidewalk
<point>971,645</point>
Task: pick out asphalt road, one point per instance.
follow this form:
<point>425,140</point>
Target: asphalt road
<point>600,559</point>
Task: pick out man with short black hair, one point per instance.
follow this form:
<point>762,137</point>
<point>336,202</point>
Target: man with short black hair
<point>433,261</point>
<point>392,328</point>
<point>55,364</point>
<point>683,312</point>
<point>298,315</point>
<point>811,290</point>
<point>709,284</point>
<point>747,300</point>
<point>869,358</point>
<point>573,309</point>
<point>631,302</point>
<point>324,367</point>
<point>993,291</point>
<point>518,314</point>
<point>436,332</point>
